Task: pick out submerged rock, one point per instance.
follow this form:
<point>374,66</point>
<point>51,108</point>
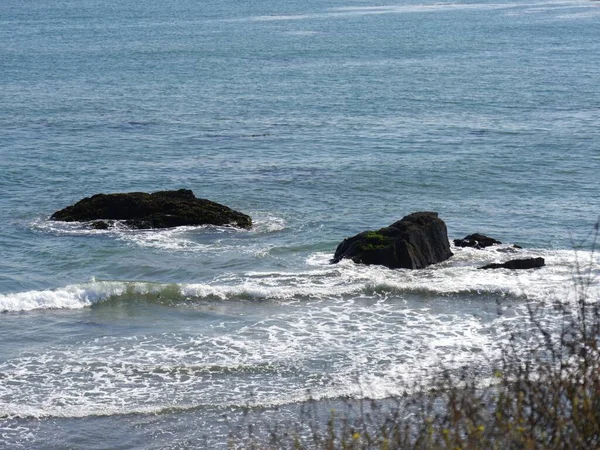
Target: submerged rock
<point>511,249</point>
<point>476,240</point>
<point>416,241</point>
<point>517,264</point>
<point>100,225</point>
<point>163,209</point>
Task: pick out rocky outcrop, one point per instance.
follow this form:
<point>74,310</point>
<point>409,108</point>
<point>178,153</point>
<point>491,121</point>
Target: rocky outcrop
<point>517,264</point>
<point>476,240</point>
<point>162,209</point>
<point>416,241</point>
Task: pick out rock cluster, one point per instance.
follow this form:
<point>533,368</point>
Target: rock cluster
<point>417,241</point>
<point>414,242</point>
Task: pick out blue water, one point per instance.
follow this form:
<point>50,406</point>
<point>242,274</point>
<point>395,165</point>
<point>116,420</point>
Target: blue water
<point>320,119</point>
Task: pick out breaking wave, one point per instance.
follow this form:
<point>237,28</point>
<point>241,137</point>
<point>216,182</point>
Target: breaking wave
<point>321,280</point>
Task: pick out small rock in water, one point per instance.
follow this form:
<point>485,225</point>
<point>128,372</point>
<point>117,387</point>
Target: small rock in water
<point>476,240</point>
<point>512,249</point>
<point>141,210</point>
<point>100,225</point>
<point>517,264</point>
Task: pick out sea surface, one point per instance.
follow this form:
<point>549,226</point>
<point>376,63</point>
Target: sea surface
<point>320,119</point>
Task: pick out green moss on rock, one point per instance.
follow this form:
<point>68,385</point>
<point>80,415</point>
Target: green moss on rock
<point>374,240</point>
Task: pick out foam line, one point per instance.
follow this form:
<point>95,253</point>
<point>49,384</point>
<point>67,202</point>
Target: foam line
<point>320,280</point>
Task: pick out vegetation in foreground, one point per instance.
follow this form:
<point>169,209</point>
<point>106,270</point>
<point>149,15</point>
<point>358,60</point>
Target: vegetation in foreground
<point>544,394</point>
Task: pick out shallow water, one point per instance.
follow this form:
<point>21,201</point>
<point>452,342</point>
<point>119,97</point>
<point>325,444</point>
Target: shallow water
<point>320,120</point>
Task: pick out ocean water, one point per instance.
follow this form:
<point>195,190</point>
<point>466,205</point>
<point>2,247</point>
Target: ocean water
<point>320,119</point>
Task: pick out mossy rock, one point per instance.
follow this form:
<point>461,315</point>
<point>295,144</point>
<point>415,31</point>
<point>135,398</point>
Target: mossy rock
<point>414,242</point>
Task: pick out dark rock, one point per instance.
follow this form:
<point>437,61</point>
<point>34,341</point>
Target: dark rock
<point>416,241</point>
<point>514,264</point>
<point>162,209</point>
<point>476,240</point>
<point>100,225</point>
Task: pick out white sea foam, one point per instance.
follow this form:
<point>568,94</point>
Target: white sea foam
<point>333,349</point>
<point>183,239</point>
<point>267,223</point>
<point>356,333</point>
<point>68,297</point>
<point>321,280</point>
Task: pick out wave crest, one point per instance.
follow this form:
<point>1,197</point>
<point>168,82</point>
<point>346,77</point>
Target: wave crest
<point>458,276</point>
